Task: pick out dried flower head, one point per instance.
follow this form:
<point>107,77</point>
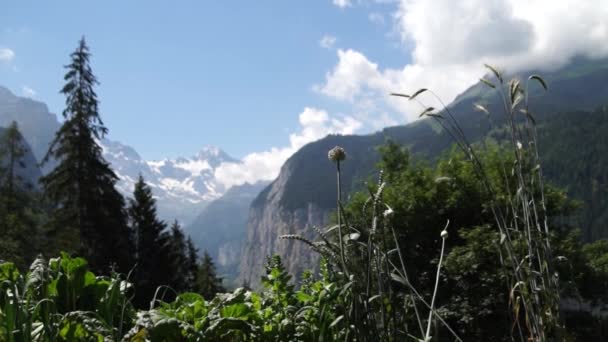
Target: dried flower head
<point>336,154</point>
<point>444,234</point>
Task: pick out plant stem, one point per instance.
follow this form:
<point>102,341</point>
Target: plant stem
<point>341,243</point>
<point>428,327</point>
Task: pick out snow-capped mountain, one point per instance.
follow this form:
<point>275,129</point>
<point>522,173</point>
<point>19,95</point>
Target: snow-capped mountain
<point>182,186</point>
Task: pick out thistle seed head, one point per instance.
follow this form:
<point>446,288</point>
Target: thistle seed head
<point>336,154</point>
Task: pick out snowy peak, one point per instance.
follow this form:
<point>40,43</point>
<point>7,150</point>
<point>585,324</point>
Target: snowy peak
<point>213,153</point>
<point>182,186</point>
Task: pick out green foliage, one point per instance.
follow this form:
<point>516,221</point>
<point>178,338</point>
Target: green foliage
<point>278,313</point>
<point>62,301</point>
<point>597,254</point>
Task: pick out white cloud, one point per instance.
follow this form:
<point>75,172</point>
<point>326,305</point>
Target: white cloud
<point>342,3</point>
<point>327,42</point>
<point>314,124</point>
<point>462,31</point>
<point>6,55</point>
<point>450,41</point>
<point>28,92</point>
<point>350,75</point>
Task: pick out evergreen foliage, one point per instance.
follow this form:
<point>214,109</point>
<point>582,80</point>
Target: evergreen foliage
<point>208,284</point>
<point>14,149</point>
<point>89,215</point>
<point>179,258</point>
<point>192,265</point>
<point>151,244</point>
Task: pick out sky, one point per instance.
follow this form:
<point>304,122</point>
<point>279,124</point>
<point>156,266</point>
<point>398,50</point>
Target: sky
<point>260,79</point>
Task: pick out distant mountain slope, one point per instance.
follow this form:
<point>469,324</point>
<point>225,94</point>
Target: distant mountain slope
<point>221,227</point>
<point>574,152</point>
<point>37,125</point>
<point>183,186</point>
<point>304,193</point>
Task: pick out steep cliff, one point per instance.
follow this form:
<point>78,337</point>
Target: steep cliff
<point>36,123</point>
<point>220,228</point>
<point>269,219</point>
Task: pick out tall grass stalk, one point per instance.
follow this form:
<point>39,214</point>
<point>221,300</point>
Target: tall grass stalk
<point>444,236</point>
<point>337,155</point>
<point>522,223</point>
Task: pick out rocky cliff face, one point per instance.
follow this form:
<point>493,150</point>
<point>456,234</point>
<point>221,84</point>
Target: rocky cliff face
<point>36,123</point>
<point>269,219</point>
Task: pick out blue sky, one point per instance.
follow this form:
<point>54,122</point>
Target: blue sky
<point>179,75</point>
<point>255,79</point>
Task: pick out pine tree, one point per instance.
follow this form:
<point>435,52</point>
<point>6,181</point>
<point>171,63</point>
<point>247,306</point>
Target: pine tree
<point>179,258</point>
<point>14,149</point>
<point>192,266</point>
<point>89,215</point>
<point>19,212</point>
<point>151,250</point>
<point>208,282</point>
<point>183,257</point>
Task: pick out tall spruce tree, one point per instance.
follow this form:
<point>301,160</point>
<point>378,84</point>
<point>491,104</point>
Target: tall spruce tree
<point>179,258</point>
<point>208,282</point>
<point>19,212</point>
<point>89,215</point>
<point>192,265</point>
<point>151,240</point>
<point>14,150</point>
